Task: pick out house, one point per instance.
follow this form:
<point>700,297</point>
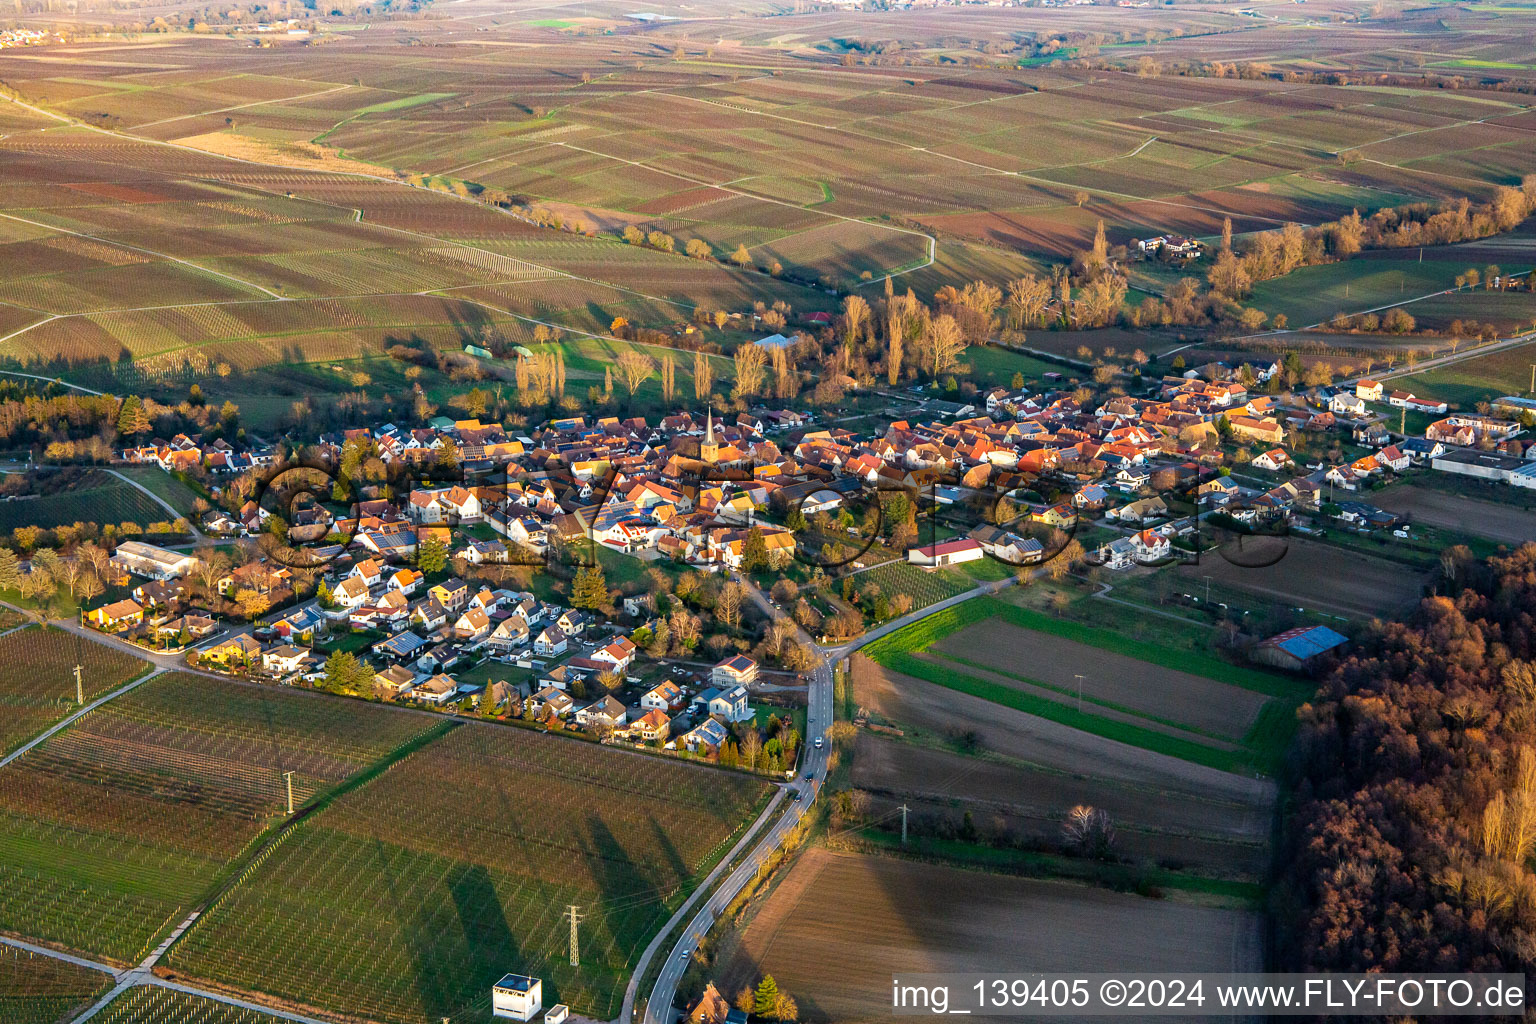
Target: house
<point>118,615</point>
<point>511,632</point>
<point>1267,430</point>
<point>1117,554</point>
<point>1393,458</point>
<point>617,654</point>
<point>1345,404</point>
<point>737,670</point>
<point>707,738</point>
<point>550,642</point>
<point>406,581</point>
<point>400,647</point>
<point>395,680</point>
<point>711,1008</point>
<point>438,689</point>
<point>664,696</point>
<point>472,625</point>
<point>1273,460</point>
<point>157,563</point>
<point>606,713</point>
<point>950,552</point>
<point>237,651</point>
<point>1298,649</point>
<point>652,727</point>
<point>195,627</point>
<point>350,593</point>
<point>1368,390</point>
<point>284,660</point>
<point>1151,546</point>
<point>1007,547</point>
<point>731,705</point>
<point>550,702</point>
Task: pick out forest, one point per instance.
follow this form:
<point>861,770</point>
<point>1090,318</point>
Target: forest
<point>1409,847</point>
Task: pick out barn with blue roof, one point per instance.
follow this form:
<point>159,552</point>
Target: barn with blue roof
<point>1298,649</point>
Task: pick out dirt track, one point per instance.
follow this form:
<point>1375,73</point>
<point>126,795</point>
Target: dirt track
<point>842,924</point>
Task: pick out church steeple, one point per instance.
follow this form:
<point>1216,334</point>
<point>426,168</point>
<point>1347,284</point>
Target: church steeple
<point>709,451</point>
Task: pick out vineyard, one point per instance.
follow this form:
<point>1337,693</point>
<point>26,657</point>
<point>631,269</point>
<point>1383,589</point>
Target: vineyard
<point>925,588</point>
<point>122,821</point>
<point>37,989</point>
<point>405,899</point>
<point>37,686</point>
<point>99,499</point>
<point>150,1004</point>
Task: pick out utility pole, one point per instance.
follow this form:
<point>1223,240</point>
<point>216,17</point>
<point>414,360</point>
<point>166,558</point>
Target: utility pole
<point>79,687</point>
<point>574,913</point>
<point>903,824</point>
<point>1079,676</point>
<point>1207,590</point>
<point>288,777</point>
<point>1533,378</point>
<point>1402,422</point>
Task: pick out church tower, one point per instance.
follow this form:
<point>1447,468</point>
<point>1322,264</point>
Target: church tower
<point>709,451</point>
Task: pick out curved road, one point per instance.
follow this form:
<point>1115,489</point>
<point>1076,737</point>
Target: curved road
<point>819,718</point>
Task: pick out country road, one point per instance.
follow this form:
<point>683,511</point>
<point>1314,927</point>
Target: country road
<point>819,717</point>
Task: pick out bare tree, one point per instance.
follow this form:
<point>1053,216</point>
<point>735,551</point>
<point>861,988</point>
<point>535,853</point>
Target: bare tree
<point>750,360</point>
<point>703,375</point>
<point>668,379</point>
<point>635,367</point>
<point>1088,831</point>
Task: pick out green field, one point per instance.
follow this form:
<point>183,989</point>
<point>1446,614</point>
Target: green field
<point>1480,378</point>
<point>1313,295</point>
<point>164,486</point>
<point>1260,748</point>
<point>121,822</point>
<point>406,898</point>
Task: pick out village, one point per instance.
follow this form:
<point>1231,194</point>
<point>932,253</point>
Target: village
<point>403,564</point>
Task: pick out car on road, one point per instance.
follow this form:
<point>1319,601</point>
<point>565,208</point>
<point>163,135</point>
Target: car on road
<point>818,742</point>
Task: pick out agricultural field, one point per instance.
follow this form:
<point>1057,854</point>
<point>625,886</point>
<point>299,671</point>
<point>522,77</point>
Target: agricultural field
<point>1199,709</point>
<point>840,923</point>
<point>97,498</point>
<point>37,687</point>
<point>1357,586</point>
<point>36,989</point>
<point>164,486</point>
<point>1464,383</point>
<point>121,822</point>
<point>406,898</point>
<point>1504,524</point>
<point>151,1004</point>
<point>924,588</point>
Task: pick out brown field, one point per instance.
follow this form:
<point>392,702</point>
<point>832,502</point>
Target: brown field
<point>1204,704</point>
<point>841,924</point>
<point>932,712</point>
<point>1014,800</point>
<point>1317,576</point>
<point>1506,524</point>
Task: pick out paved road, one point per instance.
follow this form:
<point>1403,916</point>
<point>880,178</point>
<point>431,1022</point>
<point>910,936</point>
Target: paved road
<point>813,773</point>
<point>197,535</point>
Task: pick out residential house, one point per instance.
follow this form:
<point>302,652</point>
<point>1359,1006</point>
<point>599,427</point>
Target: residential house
<point>1273,460</point>
<point>731,705</point>
<point>707,738</point>
<point>605,713</point>
<point>737,670</point>
<point>238,651</point>
<point>550,642</point>
<point>284,660</point>
<point>472,625</point>
<point>664,696</point>
<point>117,616</point>
<point>550,702</point>
<point>651,727</point>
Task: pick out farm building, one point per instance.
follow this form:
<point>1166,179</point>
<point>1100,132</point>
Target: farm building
<point>517,997</point>
<point>157,563</point>
<point>1299,648</point>
<point>950,552</point>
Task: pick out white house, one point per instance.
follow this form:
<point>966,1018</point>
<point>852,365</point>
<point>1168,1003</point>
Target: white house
<point>731,705</point>
<point>550,642</point>
<point>1274,459</point>
<point>157,563</point>
<point>1151,546</point>
<point>1369,390</point>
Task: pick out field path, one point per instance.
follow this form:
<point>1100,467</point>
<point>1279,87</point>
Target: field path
<point>139,248</point>
<point>79,714</point>
<point>197,535</point>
